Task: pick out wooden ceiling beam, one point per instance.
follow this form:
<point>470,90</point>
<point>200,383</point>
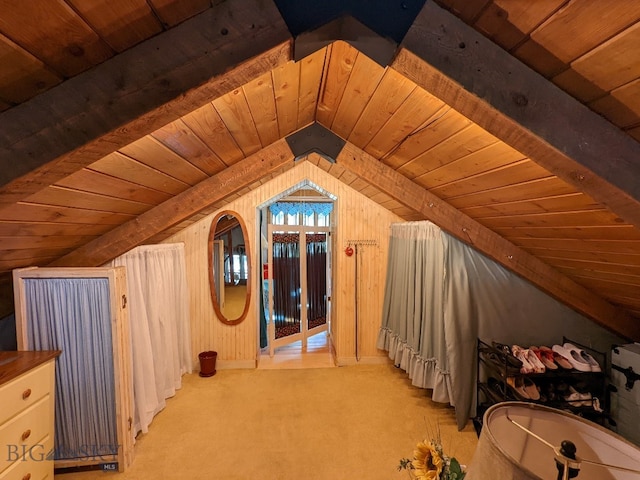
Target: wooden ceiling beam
<point>179,208</point>
<point>136,92</point>
<point>485,83</point>
<point>487,242</point>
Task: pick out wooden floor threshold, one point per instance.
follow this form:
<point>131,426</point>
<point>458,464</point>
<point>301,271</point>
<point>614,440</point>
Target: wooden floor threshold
<point>318,354</point>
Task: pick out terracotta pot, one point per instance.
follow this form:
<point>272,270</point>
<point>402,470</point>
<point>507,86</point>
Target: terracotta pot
<point>208,363</point>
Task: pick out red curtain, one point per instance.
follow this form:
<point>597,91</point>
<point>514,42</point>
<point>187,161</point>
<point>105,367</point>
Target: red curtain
<point>317,279</point>
<point>286,282</point>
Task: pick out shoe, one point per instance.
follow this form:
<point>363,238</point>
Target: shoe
<point>545,356</point>
<point>497,390</point>
<point>501,361</point>
<point>573,357</point>
<point>579,399</point>
<point>524,388</point>
<point>523,356</point>
<point>531,388</point>
<point>538,366</point>
<point>595,366</point>
<point>505,350</point>
<point>596,405</point>
<point>502,347</point>
<point>491,396</point>
<point>574,399</point>
<point>556,357</point>
<point>526,355</point>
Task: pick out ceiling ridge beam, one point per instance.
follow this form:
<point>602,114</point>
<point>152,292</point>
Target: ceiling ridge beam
<point>133,93</point>
<point>487,242</point>
<point>173,211</point>
<point>486,84</point>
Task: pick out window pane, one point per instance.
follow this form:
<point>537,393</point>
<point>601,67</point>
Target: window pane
<point>309,220</point>
<point>278,219</point>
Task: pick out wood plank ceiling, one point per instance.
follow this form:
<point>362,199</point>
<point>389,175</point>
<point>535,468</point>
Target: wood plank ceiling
<point>139,183</point>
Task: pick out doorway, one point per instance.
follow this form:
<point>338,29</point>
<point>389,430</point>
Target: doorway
<point>296,280</point>
<point>299,285</point>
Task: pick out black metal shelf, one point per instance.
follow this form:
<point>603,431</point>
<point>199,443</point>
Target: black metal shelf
<point>500,366</point>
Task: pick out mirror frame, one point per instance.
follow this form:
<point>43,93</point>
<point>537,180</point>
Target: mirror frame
<point>212,285</point>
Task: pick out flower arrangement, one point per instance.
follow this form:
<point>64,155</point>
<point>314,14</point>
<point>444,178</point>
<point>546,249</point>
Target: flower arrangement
<point>430,463</point>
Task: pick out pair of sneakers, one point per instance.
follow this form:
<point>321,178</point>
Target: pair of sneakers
<point>578,358</point>
<point>585,399</point>
<point>578,399</point>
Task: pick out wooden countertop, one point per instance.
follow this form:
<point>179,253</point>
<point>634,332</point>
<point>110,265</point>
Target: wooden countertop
<point>15,363</point>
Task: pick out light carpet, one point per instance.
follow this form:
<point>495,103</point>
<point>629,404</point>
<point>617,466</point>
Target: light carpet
<point>352,422</point>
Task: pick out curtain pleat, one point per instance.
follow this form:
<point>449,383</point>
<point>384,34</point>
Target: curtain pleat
<point>160,326</point>
<point>73,315</point>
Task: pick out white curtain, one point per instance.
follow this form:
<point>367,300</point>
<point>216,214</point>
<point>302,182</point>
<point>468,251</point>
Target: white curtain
<point>159,319</point>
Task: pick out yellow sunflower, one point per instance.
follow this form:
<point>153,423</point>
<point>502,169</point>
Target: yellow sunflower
<point>427,462</point>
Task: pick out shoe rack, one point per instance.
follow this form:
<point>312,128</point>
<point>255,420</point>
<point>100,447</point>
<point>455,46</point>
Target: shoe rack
<point>500,379</point>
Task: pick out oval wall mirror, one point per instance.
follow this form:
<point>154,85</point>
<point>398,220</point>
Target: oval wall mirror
<point>229,267</point>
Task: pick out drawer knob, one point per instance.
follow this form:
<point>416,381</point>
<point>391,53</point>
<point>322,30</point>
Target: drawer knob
<point>27,477</point>
<point>26,394</point>
<point>26,434</point>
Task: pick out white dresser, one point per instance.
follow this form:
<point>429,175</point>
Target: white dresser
<point>27,387</point>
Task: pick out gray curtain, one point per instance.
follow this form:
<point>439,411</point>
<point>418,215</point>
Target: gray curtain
<point>73,315</point>
<point>413,309</point>
<point>487,301</point>
<point>478,298</point>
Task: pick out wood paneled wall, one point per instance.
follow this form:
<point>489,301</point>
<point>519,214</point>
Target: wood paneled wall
<point>356,217</point>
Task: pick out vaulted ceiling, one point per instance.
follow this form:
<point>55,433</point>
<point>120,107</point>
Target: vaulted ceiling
<point>512,124</point>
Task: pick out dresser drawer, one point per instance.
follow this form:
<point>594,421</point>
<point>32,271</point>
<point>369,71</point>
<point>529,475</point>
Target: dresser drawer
<point>25,390</point>
<point>24,431</point>
<point>35,465</point>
